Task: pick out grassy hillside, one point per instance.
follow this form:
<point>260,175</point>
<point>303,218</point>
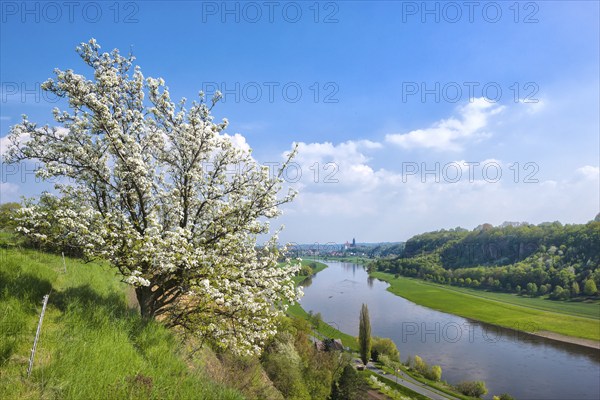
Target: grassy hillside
<point>497,310</point>
<point>93,344</point>
<point>324,329</point>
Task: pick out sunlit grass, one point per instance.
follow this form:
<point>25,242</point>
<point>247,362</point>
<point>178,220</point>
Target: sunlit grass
<point>515,315</point>
<point>93,344</point>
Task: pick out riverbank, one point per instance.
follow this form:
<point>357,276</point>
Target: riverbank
<point>323,328</point>
<point>564,327</point>
<point>568,339</point>
<point>314,265</point>
<point>349,259</point>
<point>413,388</point>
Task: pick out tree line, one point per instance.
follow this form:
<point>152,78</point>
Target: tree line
<point>561,261</point>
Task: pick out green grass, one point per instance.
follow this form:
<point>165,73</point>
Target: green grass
<point>441,386</point>
<point>516,314</point>
<point>586,309</point>
<point>92,343</point>
<point>324,329</point>
<point>298,279</point>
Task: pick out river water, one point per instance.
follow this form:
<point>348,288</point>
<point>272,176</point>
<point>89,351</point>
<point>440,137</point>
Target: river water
<point>522,365</point>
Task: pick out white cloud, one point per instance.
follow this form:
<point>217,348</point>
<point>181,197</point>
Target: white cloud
<point>533,106</point>
<point>327,150</point>
<point>380,203</point>
<point>395,210</point>
<point>589,172</point>
<point>452,133</point>
<point>238,141</point>
<point>4,143</point>
<point>24,138</point>
<point>344,166</point>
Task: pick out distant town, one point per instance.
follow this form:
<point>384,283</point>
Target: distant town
<point>349,248</point>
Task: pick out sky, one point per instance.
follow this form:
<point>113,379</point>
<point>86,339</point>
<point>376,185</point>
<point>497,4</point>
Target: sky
<point>409,116</point>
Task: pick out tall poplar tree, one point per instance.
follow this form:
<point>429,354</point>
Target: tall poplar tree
<point>364,334</point>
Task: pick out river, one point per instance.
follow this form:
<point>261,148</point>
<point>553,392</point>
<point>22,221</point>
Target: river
<point>525,366</point>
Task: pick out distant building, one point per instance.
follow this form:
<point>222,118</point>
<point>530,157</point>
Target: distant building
<point>350,245</point>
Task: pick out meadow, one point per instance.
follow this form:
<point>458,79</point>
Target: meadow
<point>579,320</point>
<point>301,278</point>
<point>92,343</point>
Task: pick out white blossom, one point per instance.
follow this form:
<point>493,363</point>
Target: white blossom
<point>150,189</point>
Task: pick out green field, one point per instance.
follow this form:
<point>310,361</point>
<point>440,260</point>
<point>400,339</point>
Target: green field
<point>590,309</point>
<point>298,279</point>
<point>579,320</point>
<point>93,342</point>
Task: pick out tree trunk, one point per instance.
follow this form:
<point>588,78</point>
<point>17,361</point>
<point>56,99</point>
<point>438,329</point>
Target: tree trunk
<point>146,302</point>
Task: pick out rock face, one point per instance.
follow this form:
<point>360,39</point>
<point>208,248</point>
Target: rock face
<point>503,245</point>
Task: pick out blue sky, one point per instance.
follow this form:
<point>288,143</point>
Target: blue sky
<point>375,92</point>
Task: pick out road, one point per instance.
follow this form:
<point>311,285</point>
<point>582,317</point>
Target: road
<point>411,383</point>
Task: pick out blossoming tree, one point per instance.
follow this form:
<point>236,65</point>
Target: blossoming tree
<point>162,193</point>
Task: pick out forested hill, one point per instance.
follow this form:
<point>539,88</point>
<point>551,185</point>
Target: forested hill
<point>487,245</point>
<point>504,257</point>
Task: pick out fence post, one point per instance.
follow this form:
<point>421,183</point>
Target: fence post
<point>64,263</point>
<point>37,336</point>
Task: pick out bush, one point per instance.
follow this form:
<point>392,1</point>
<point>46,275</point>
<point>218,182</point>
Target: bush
<point>305,270</point>
<point>560,294</point>
<point>385,360</point>
<point>589,288</point>
<point>7,213</point>
<point>350,386</point>
<point>284,367</point>
<point>315,319</point>
<point>503,396</point>
<point>49,233</point>
<point>434,373</point>
<point>385,346</point>
<point>473,389</point>
<point>418,365</point>
<point>296,368</point>
<point>375,355</point>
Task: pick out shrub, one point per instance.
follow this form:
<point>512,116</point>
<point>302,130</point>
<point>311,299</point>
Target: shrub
<point>385,346</point>
<point>473,389</point>
<point>305,270</point>
<point>434,373</point>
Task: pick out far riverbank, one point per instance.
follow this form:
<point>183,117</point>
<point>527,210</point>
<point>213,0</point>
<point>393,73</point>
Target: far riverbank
<point>561,327</point>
